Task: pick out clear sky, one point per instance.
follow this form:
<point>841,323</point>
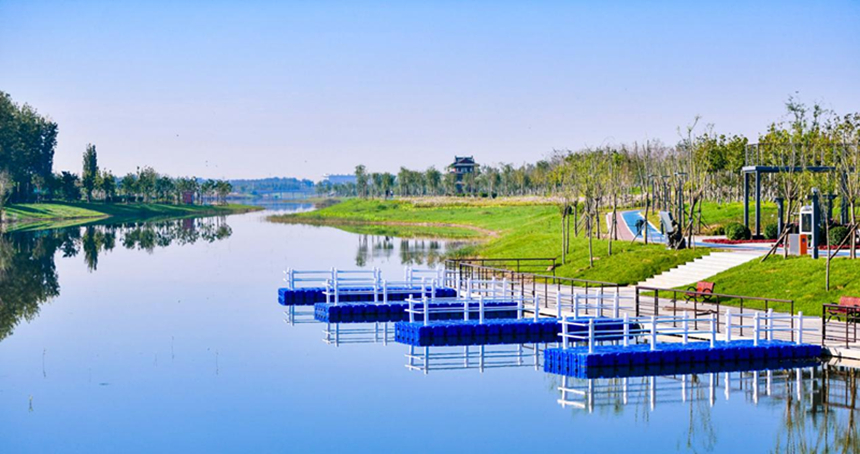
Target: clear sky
<point>256,89</point>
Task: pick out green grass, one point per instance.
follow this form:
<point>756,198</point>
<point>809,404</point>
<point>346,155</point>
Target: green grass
<point>38,216</point>
<point>509,230</point>
<point>715,215</point>
<point>800,279</point>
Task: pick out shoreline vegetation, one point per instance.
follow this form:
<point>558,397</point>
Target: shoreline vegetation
<point>499,228</point>
<point>41,216</point>
<point>531,229</point>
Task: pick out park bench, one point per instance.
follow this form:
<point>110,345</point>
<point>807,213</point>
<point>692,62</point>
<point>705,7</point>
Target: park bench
<point>849,307</point>
<point>703,291</point>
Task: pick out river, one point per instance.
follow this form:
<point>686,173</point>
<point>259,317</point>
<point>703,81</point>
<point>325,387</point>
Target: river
<point>167,337</point>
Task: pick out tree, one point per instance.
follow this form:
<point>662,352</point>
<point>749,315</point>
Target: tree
<point>5,190</point>
<point>129,187</point>
<point>108,185</point>
<point>69,186</point>
<point>146,180</point>
<point>223,188</point>
<point>361,180</point>
<point>90,172</point>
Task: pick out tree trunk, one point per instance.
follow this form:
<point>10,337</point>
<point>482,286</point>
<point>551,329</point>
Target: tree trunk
<point>563,239</point>
<point>590,246</point>
<point>854,233</point>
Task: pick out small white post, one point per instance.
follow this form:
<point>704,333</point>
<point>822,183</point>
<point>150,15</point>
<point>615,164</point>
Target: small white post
<point>505,288</point>
<point>591,335</point>
<point>653,332</point>
<point>564,341</point>
<point>466,310</point>
<point>558,306</point>
<point>686,326</point>
<point>770,327</point>
<point>799,328</point>
<point>576,306</point>
<point>433,289</point>
<point>537,307</point>
<point>411,310</point>
<point>626,329</point>
<point>336,291</point>
<point>615,299</point>
<point>756,327</point>
<point>385,291</point>
<point>469,288</point>
<point>481,309</point>
<point>423,287</point>
<point>729,325</point>
<point>519,308</point>
<point>426,311</point>
<point>493,286</point>
<point>713,330</point>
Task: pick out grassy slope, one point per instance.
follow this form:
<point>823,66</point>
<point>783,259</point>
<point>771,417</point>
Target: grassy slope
<point>522,231</point>
<point>36,216</point>
<point>797,278</point>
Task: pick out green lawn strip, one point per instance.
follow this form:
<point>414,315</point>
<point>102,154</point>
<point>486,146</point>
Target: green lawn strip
<point>520,231</point>
<point>40,216</point>
<point>797,278</point>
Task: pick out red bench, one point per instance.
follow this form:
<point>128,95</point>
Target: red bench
<point>702,291</point>
<point>849,308</point>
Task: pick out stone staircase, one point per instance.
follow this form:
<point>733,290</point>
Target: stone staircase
<point>700,269</point>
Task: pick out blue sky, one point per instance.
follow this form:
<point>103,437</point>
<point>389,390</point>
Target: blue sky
<point>256,89</point>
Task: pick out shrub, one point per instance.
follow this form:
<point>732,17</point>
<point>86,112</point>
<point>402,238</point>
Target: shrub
<point>771,232</point>
<point>718,230</point>
<point>836,235</point>
<point>737,231</point>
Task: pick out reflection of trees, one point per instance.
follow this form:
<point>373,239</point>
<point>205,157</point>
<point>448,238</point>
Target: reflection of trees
<point>411,251</point>
<point>28,275</point>
<point>825,421</point>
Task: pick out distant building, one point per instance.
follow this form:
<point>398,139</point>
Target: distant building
<point>462,166</point>
<point>188,197</point>
<point>338,179</point>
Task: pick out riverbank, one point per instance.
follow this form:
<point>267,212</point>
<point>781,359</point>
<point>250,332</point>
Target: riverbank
<point>38,216</point>
<point>505,230</point>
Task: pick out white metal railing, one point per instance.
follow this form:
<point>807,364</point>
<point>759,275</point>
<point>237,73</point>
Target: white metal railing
<point>305,278</point>
<point>379,290</point>
<point>492,288</point>
<point>426,307</point>
<point>584,304</point>
<point>593,331</point>
<point>318,278</point>
<point>765,323</point>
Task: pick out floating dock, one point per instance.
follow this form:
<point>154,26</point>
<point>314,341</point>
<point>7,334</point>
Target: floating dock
<point>617,360</point>
<point>396,312</point>
<point>500,331</point>
<point>309,296</point>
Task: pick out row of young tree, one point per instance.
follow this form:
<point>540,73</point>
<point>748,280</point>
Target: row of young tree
<point>487,181</point>
<point>27,144</point>
<point>703,165</point>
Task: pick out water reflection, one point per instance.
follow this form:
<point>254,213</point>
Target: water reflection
<point>477,357</point>
<point>818,402</point>
<point>409,251</point>
<point>28,275</point>
<point>358,333</point>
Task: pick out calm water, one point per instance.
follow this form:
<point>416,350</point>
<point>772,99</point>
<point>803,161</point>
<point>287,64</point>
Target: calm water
<point>168,338</point>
